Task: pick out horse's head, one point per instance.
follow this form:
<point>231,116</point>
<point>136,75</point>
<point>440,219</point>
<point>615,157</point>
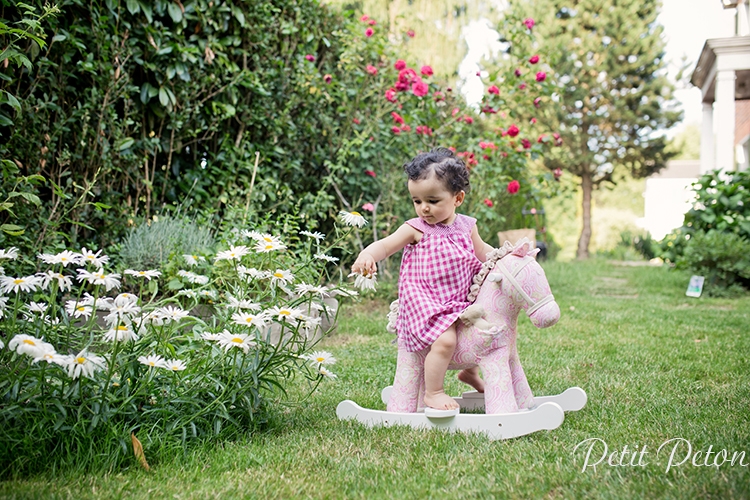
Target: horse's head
<point>518,273</point>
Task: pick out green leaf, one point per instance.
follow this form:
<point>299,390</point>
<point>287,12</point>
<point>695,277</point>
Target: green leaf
<point>31,198</point>
<point>12,229</point>
<point>133,6</point>
<point>163,97</point>
<point>59,38</point>
<point>5,121</point>
<point>174,12</point>
<point>125,143</point>
<point>174,284</point>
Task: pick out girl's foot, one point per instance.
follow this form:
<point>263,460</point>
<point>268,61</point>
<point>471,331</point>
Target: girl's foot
<point>440,401</point>
<point>472,378</point>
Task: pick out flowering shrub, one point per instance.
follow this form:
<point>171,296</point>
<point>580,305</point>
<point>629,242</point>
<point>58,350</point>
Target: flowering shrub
<point>84,364</point>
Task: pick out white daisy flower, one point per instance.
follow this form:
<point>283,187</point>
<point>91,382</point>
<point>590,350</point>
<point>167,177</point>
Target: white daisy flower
<point>326,373</point>
<point>281,277</point>
<point>37,307</point>
<point>10,253</point>
<point>311,323</point>
<point>251,273</point>
<point>268,246</point>
<point>176,365</point>
<point>365,280</point>
<point>122,309</point>
<point>320,358</point>
<point>239,340</point>
<point>249,319</point>
<point>318,236</point>
<point>173,313</point>
<point>234,253</point>
<point>3,305</point>
<point>327,258</point>
<point>1,344</point>
<point>207,294</point>
<point>234,303</point>
<point>65,257</point>
<point>253,235</point>
<point>154,361</point>
<point>25,284</point>
<point>188,293</point>
<point>89,257</point>
<point>64,283</point>
<point>122,333</point>
<point>353,218</point>
<point>303,288</point>
<point>84,363</point>
<point>210,336</point>
<point>193,260</point>
<point>50,356</point>
<point>31,346</point>
<point>78,309</point>
<point>192,277</point>
<point>143,274</point>
<point>346,292</point>
<point>284,313</point>
<point>109,281</point>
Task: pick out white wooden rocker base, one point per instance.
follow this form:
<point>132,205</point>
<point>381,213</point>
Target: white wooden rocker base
<point>548,414</point>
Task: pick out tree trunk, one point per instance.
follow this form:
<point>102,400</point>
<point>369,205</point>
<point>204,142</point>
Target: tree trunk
<point>583,241</point>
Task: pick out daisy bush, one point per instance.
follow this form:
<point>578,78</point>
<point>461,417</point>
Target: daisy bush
<point>90,358</point>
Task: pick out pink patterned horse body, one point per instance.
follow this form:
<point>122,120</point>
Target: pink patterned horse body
<point>510,281</point>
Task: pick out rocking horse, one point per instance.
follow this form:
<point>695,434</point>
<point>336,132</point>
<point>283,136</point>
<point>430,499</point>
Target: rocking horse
<point>510,281</point>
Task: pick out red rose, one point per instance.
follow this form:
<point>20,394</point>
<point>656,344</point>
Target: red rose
<point>534,59</point>
<point>514,186</point>
<point>419,88</point>
<point>372,69</point>
<point>537,101</point>
<point>493,90</point>
<point>356,120</point>
<point>522,86</point>
<point>405,127</point>
<point>370,173</point>
<point>327,78</point>
<point>395,130</point>
<point>390,95</point>
<point>488,202</point>
<point>526,143</point>
<point>529,22</point>
<point>512,131</point>
<point>468,119</point>
<point>407,75</point>
<point>364,18</point>
<point>400,64</point>
<point>557,173</point>
<point>410,33</point>
<point>372,22</point>
<point>517,72</point>
<point>369,32</point>
<point>401,86</point>
<point>541,138</point>
<point>397,118</point>
<point>310,57</point>
<point>426,71</point>
<point>541,76</point>
<point>533,121</point>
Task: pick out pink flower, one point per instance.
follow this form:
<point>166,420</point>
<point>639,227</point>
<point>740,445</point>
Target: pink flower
<point>493,90</point>
<point>487,145</point>
<point>455,111</point>
<point>400,64</point>
<point>356,120</point>
<point>489,110</point>
<point>514,186</point>
<point>410,33</point>
<point>368,206</point>
<point>533,121</point>
<point>372,69</point>
<point>438,96</point>
<point>557,173</point>
<point>526,143</point>
<point>401,86</point>
<point>517,72</point>
<point>310,57</point>
<point>522,86</point>
<point>364,18</point>
<point>370,173</point>
<point>512,131</point>
<point>405,128</point>
<point>327,78</point>
<point>369,32</point>
<point>541,138</point>
<point>558,139</point>
<point>529,22</point>
<point>424,129</point>
<point>395,130</point>
<point>372,22</point>
<point>419,88</point>
<point>537,101</point>
<point>541,76</point>
<point>488,202</point>
<point>407,75</point>
<point>390,95</point>
<point>534,59</point>
<point>397,118</point>
<point>426,71</point>
<point>468,119</point>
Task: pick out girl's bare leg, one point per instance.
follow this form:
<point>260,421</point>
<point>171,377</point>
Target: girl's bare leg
<point>435,366</point>
<point>471,377</point>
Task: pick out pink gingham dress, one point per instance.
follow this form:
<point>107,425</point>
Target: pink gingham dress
<point>435,277</point>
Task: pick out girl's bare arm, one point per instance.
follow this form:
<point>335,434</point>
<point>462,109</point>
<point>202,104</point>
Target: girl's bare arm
<point>481,249</point>
<point>386,247</point>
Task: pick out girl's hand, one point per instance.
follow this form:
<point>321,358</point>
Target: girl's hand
<point>365,264</point>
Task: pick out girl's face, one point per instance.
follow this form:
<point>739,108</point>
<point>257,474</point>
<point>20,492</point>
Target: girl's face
<point>433,202</point>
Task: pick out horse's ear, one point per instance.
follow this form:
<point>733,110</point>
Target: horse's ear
<point>494,277</point>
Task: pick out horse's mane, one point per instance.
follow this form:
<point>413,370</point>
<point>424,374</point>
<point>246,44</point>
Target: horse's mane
<point>487,266</point>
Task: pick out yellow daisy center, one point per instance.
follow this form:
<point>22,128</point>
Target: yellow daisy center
<point>266,238</point>
<point>80,308</point>
<point>357,214</point>
<point>237,340</point>
<point>122,328</point>
<point>278,275</point>
<point>269,247</point>
<point>18,281</point>
<point>151,363</point>
<point>28,341</point>
<point>80,360</point>
<point>285,312</point>
<point>320,359</point>
<point>249,319</point>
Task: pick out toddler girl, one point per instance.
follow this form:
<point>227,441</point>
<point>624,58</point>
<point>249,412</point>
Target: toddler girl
<point>442,253</point>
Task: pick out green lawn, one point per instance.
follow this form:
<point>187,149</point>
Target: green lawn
<point>656,366</point>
